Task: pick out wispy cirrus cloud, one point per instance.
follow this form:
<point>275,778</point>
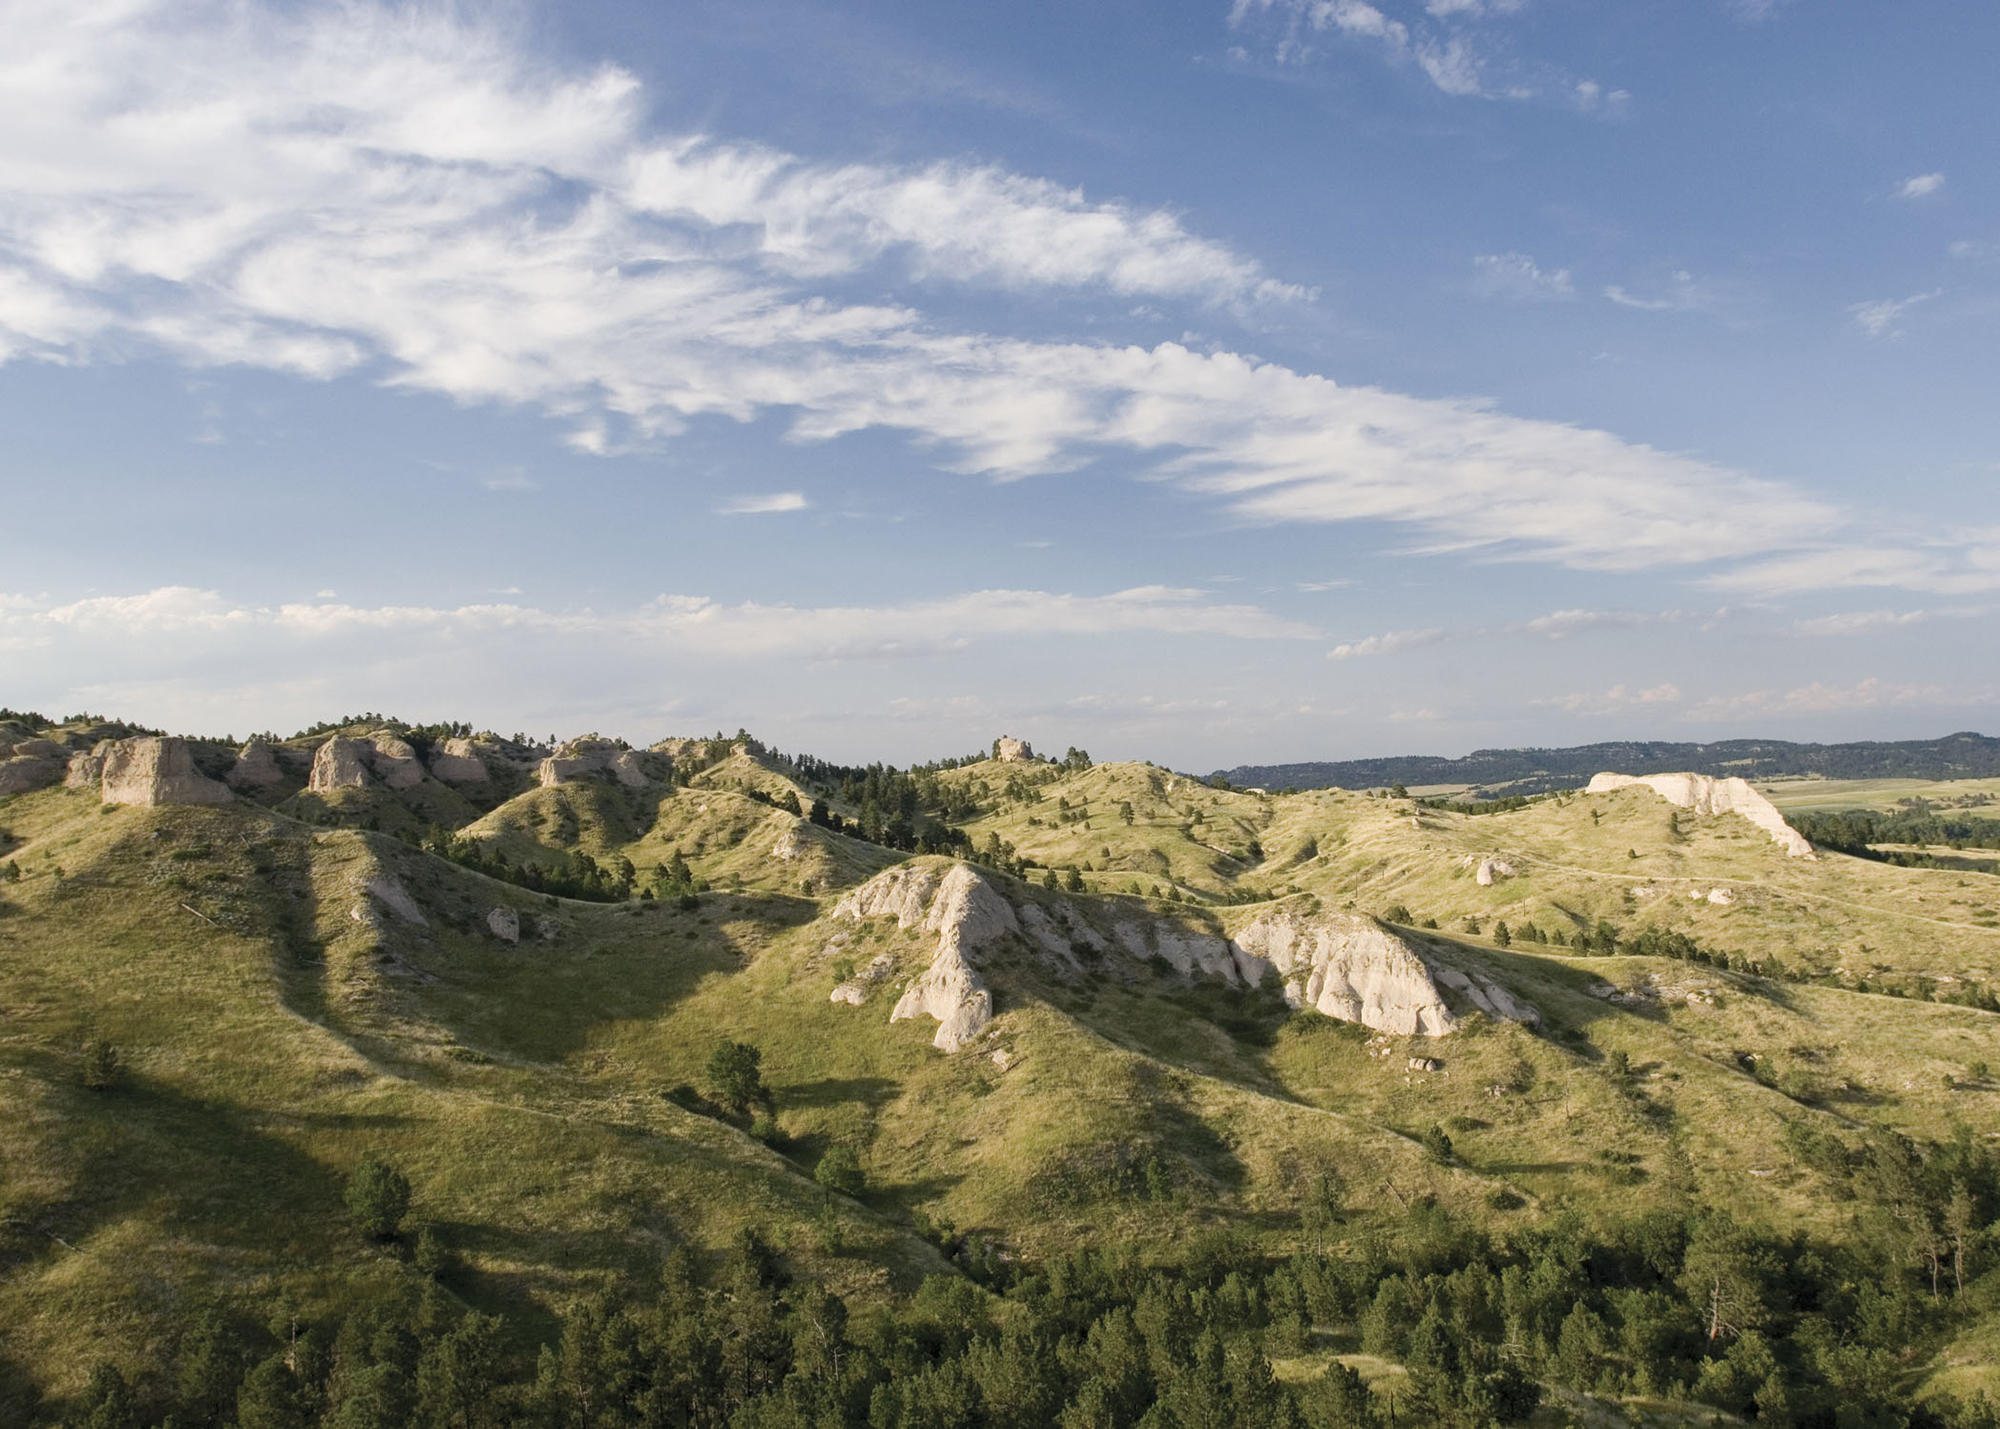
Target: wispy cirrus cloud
<point>1863,622</point>
<point>1389,643</point>
<point>1920,186</point>
<point>1521,278</point>
<point>404,193</point>
<point>1441,39</point>
<point>1817,698</point>
<point>1880,318</point>
<point>765,505</point>
<point>1617,700</point>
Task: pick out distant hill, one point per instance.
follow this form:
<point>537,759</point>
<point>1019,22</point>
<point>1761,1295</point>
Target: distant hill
<point>1532,771</point>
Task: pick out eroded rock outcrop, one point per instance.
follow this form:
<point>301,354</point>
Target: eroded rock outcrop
<point>1350,968</point>
<point>337,764</point>
<point>966,914</point>
<point>157,770</point>
<point>1706,794</point>
<point>580,757</point>
<point>457,761</point>
<point>31,764</point>
<point>256,767</point>
<point>505,924</point>
<point>1009,750</point>
<point>393,760</point>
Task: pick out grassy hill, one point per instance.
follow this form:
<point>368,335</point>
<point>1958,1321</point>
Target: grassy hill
<point>294,982</point>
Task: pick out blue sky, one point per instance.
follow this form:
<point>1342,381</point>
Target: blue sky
<point>1206,382</point>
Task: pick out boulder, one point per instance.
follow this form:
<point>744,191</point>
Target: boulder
<point>1491,869</point>
<point>504,924</point>
<point>855,990</point>
<point>1009,750</point>
<point>1708,795</point>
<point>1350,968</point>
<point>150,770</point>
<point>337,764</point>
<point>457,761</point>
<point>256,767</point>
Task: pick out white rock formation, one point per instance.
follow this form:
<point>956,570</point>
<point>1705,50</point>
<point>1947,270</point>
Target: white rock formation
<point>337,765</point>
<point>579,757</point>
<point>966,914</point>
<point>256,766</point>
<point>505,924</point>
<point>1352,969</point>
<point>855,990</point>
<point>1488,996</point>
<point>150,770</point>
<point>393,896</point>
<point>1708,795</point>
<point>33,764</point>
<point>1192,952</point>
<point>86,771</point>
<point>457,761</point>
<point>394,761</point>
<point>790,845</point>
<point>1009,750</point>
<point>1491,869</point>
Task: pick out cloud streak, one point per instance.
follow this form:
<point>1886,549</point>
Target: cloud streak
<point>404,195</point>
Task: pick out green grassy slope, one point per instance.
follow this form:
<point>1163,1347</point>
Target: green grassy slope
<point>281,1018</point>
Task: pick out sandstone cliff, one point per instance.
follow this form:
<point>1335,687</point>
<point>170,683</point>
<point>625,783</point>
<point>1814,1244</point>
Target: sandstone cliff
<point>1708,795</point>
<point>31,764</point>
<point>337,765</point>
<point>1352,969</point>
<point>457,761</point>
<point>580,757</point>
<point>256,766</point>
<point>150,770</point>
<point>966,914</point>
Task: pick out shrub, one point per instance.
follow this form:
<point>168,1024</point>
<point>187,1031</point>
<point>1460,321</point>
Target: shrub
<point>1437,1145</point>
<point>840,1170</point>
<point>735,1076</point>
<point>1397,913</point>
<point>103,1067</point>
<point>378,1197</point>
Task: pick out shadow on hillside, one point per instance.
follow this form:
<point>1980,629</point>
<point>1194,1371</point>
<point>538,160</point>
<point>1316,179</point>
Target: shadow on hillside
<point>145,1151</point>
<point>837,1091</point>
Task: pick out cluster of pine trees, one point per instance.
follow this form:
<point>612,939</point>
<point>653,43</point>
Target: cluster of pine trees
<point>1790,1330</point>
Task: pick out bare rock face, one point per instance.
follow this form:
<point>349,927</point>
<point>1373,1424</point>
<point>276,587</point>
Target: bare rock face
<point>1009,750</point>
<point>256,767</point>
<point>789,845</point>
<point>31,763</point>
<point>337,765</point>
<point>855,990</point>
<point>396,898</point>
<point>579,757</point>
<point>504,924</point>
<point>1352,969</point>
<point>1490,870</point>
<point>966,914</point>
<point>1191,952</point>
<point>1488,996</point>
<point>1708,795</point>
<point>457,761</point>
<point>86,771</point>
<point>150,770</point>
<point>394,761</point>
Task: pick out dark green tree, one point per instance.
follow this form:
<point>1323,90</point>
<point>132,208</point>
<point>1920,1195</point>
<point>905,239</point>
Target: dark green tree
<point>735,1077</point>
<point>840,1170</point>
<point>378,1197</point>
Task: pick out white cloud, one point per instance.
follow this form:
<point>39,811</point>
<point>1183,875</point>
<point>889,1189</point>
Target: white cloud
<point>1517,276</point>
<point>1683,292</point>
<point>744,631</point>
<point>1388,644</point>
<point>1817,698</point>
<point>1616,700</point>
<point>1862,622</point>
<point>763,505</point>
<point>1878,319</point>
<point>1960,563</point>
<point>1921,186</point>
<point>1559,624</point>
<point>403,192</point>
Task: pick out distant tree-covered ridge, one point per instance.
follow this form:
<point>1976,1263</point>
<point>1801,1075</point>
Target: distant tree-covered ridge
<point>1531,771</point>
